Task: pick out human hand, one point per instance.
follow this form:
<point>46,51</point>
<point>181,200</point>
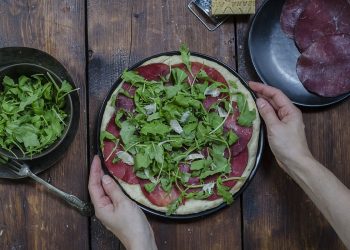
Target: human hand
<point>284,123</point>
<point>117,212</point>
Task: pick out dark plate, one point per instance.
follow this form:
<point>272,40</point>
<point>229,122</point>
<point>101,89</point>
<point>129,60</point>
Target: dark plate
<point>195,215</point>
<point>274,57</point>
<point>18,55</point>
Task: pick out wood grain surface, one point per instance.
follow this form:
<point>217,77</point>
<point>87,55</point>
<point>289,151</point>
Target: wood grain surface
<point>96,40</point>
<point>30,216</point>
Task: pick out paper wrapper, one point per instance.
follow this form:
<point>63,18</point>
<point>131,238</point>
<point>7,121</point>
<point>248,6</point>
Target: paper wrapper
<point>230,7</point>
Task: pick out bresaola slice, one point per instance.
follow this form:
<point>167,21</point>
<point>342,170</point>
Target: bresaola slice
<point>244,133</point>
<point>153,71</point>
<point>324,68</point>
<point>321,18</point>
<point>291,11</point>
<point>159,197</point>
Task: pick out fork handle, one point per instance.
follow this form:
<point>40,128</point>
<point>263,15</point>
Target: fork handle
<point>83,207</point>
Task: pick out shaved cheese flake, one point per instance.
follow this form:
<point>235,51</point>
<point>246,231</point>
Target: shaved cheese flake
<point>194,157</point>
<point>212,92</point>
<point>125,157</point>
<point>175,125</point>
<point>222,112</point>
<point>185,116</point>
<point>150,109</point>
<point>208,188</point>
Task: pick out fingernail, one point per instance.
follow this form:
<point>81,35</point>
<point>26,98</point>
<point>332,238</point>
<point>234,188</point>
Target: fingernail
<point>260,102</point>
<point>106,179</point>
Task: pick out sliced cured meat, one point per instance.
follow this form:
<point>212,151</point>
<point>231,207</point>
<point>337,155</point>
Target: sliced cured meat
<point>129,88</point>
<point>184,168</point>
<point>324,68</point>
<point>159,197</point>
<point>238,165</point>
<point>291,11</point>
<point>244,133</point>
<point>321,18</point>
<point>209,101</point>
<point>196,67</point>
<point>116,169</point>
<point>124,102</point>
<point>119,169</point>
<point>154,71</point>
<point>112,127</point>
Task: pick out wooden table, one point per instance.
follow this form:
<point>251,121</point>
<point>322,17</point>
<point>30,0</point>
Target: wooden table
<point>96,40</point>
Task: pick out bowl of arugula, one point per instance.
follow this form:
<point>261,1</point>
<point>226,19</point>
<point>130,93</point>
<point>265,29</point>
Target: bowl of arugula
<point>36,111</point>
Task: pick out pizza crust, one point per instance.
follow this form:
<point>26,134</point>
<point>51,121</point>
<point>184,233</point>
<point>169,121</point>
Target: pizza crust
<point>192,206</point>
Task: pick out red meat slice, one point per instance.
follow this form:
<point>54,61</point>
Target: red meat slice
<point>196,67</point>
<point>159,197</point>
<point>120,169</point>
<point>129,88</point>
<point>321,18</point>
<point>244,133</point>
<point>238,165</point>
<point>124,102</point>
<point>324,68</point>
<point>112,127</point>
<point>291,11</point>
<point>154,71</point>
<point>209,101</point>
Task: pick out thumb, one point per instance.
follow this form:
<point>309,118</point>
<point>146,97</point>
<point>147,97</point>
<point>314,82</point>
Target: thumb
<point>267,112</point>
<point>112,189</point>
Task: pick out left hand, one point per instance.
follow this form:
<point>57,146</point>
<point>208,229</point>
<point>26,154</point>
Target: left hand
<point>117,212</point>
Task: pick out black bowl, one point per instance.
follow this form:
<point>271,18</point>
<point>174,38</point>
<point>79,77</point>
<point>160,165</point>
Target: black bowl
<point>16,70</point>
<point>23,55</point>
<point>206,212</point>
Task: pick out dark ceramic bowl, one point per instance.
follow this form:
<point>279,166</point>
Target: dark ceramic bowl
<point>15,71</point>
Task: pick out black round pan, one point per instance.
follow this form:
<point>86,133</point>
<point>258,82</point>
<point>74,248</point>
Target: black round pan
<point>17,55</point>
<point>275,56</point>
<point>209,211</point>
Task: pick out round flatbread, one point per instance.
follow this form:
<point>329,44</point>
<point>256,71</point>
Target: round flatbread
<point>240,156</point>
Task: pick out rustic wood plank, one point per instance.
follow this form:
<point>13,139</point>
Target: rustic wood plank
<point>276,212</point>
<point>30,217</point>
<point>120,34</point>
<point>109,38</point>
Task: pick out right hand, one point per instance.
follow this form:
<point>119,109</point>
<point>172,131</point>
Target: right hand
<point>117,212</point>
<point>284,123</point>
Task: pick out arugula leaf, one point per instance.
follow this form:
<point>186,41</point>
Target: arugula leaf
<point>127,133</point>
<point>106,135</point>
<point>174,205</point>
<point>142,161</point>
<point>179,76</point>
<point>150,187</point>
<point>232,138</point>
<point>223,191</point>
<point>200,164</point>
<point>133,78</point>
<point>246,116</point>
<point>185,56</point>
<point>166,184</point>
<point>172,91</point>
<point>155,128</point>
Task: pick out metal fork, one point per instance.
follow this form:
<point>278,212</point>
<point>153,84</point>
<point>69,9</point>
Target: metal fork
<point>22,169</point>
